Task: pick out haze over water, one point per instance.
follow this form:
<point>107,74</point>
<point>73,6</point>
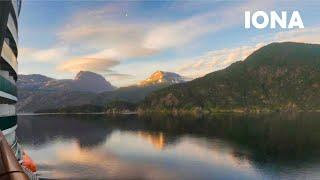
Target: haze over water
<point>225,146</point>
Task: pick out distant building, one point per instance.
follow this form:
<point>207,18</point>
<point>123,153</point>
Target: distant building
<point>9,14</point>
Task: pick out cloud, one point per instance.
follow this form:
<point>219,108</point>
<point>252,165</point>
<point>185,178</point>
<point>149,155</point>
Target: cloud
<point>89,64</point>
<point>105,30</point>
<point>125,51</point>
<point>307,35</point>
<point>42,55</point>
<point>104,60</point>
<point>102,28</point>
<point>96,35</point>
<point>215,60</point>
<point>104,38</point>
<point>118,76</point>
<point>175,34</point>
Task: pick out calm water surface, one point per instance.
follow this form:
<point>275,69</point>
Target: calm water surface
<point>130,147</point>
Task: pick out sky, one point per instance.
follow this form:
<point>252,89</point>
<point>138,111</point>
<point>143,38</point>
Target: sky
<point>126,41</point>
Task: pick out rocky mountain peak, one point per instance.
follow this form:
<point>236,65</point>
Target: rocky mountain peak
<point>159,77</point>
<point>32,81</point>
<point>85,81</point>
<point>90,81</point>
<point>87,76</point>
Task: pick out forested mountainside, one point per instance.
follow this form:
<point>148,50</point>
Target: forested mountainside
<point>279,76</point>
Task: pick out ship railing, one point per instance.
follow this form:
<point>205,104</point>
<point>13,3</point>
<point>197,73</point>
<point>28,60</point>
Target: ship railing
<point>9,165</point>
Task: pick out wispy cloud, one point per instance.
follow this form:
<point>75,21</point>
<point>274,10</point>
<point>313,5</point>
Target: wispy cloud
<point>118,76</point>
<point>176,34</point>
<point>308,35</point>
<point>90,64</point>
<point>215,60</point>
<point>42,55</point>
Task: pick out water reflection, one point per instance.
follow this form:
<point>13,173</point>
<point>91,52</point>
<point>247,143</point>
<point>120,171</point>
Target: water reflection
<point>224,146</point>
<point>156,139</point>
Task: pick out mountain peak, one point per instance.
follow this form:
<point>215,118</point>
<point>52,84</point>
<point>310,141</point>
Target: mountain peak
<point>32,81</point>
<point>284,52</point>
<point>37,77</point>
<point>90,81</point>
<point>88,75</point>
<point>85,81</point>
<point>160,77</point>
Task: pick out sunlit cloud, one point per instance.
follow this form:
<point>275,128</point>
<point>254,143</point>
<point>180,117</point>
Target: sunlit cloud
<point>215,60</point>
<point>42,55</point>
<point>89,64</point>
<point>125,51</point>
<point>102,29</point>
<point>96,35</point>
<point>118,76</point>
<point>176,34</point>
<point>104,60</point>
<point>307,35</point>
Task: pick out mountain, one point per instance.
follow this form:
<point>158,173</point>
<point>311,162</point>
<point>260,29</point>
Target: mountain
<point>32,81</point>
<point>277,77</point>
<point>37,91</point>
<point>133,94</point>
<point>41,93</point>
<point>42,100</point>
<point>84,81</point>
<point>162,77</point>
<point>34,100</point>
<point>136,93</point>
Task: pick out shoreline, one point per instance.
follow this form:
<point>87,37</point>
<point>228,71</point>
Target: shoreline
<point>65,113</point>
<point>174,113</point>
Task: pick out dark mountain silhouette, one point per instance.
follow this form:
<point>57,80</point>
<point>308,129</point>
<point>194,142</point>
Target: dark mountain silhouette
<point>84,81</point>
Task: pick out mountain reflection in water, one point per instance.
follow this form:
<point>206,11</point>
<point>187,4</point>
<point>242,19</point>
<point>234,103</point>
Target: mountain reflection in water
<point>224,146</point>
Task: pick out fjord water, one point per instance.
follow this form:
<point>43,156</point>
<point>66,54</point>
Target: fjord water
<point>224,146</point>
